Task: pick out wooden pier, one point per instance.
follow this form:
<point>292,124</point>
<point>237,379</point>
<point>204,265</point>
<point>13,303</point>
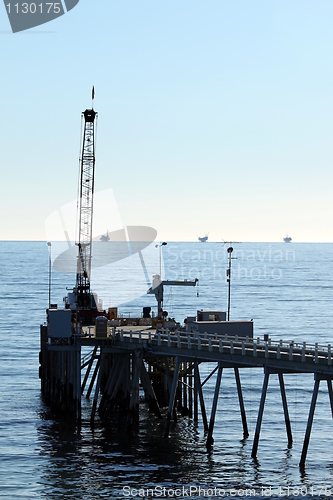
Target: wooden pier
<point>167,368</point>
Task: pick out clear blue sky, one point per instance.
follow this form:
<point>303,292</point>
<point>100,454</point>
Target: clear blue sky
<point>214,116</point>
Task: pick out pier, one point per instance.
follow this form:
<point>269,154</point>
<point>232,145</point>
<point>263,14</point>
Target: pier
<point>164,363</point>
<point>166,366</point>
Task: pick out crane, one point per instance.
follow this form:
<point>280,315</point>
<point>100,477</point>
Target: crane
<point>84,298</point>
<point>157,290</point>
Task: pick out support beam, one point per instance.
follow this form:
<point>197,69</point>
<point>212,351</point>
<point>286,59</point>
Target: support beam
<point>184,403</point>
<point>98,383</point>
<point>78,385</point>
<point>91,385</point>
<point>260,414</point>
<point>110,384</point>
<point>310,420</point>
<point>172,397</point>
<point>133,414</point>
<point>118,382</point>
<point>149,391</point>
<point>168,376</point>
<point>330,392</point>
<point>190,389</point>
<point>202,402</point>
<point>285,409</point>
<point>195,395</point>
<point>169,384</point>
<point>91,361</point>
<point>210,439</point>
<point>241,403</point>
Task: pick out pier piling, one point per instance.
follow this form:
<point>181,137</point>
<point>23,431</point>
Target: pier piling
<point>285,409</point>
<point>210,439</point>
<point>260,414</point>
<point>172,397</point>
<point>241,403</point>
<point>309,424</point>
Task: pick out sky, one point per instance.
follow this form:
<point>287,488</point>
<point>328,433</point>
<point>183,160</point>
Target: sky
<point>214,117</point>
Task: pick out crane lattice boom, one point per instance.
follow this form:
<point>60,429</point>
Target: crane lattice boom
<point>87,175</point>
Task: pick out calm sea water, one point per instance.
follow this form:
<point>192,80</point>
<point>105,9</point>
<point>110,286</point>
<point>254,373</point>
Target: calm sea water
<point>288,292</point>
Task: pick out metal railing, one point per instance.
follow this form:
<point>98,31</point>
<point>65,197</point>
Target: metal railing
<point>246,347</point>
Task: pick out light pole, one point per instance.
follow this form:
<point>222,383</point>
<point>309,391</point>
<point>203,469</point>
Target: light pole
<point>160,246</point>
<point>49,245</point>
<point>230,250</point>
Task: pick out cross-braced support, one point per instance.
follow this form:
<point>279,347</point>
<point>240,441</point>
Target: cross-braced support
<point>90,363</point>
<point>210,439</point>
<point>98,383</point>
<point>93,378</point>
<point>261,410</point>
<point>202,402</point>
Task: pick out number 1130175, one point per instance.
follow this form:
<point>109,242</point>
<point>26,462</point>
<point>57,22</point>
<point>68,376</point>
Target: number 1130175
<point>34,8</point>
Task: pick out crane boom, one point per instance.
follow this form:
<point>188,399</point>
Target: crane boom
<point>157,289</point>
<point>86,191</point>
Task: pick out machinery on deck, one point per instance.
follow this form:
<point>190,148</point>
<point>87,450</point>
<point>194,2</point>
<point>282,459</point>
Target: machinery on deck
<point>157,290</point>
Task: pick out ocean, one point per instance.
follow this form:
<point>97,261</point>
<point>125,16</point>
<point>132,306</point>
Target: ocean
<point>287,289</point>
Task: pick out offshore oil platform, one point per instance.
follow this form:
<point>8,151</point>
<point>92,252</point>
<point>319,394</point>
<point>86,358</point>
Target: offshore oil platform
<point>86,351</point>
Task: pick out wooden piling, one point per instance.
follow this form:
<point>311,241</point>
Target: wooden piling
<point>172,397</point>
<point>113,373</point>
<point>195,393</point>
<point>149,391</point>
<point>133,413</point>
<point>190,391</point>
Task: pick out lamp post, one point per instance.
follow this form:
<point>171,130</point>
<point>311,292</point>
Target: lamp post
<point>49,245</point>
<point>230,250</point>
<point>160,246</point>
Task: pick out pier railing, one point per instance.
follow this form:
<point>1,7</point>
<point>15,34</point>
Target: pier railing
<point>302,356</point>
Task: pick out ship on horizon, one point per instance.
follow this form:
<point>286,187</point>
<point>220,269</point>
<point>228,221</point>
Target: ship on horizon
<point>105,237</point>
<point>203,239</point>
<point>287,239</point>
